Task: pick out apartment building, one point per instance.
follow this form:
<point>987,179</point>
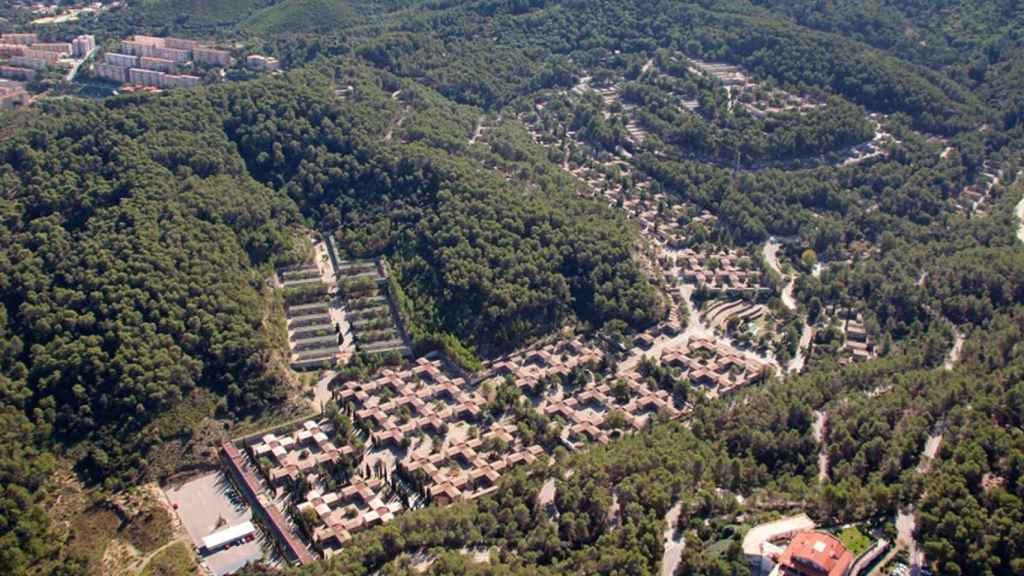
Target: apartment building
<point>168,42</point>
<point>30,62</point>
<point>83,45</point>
<point>158,79</point>
<point>180,81</point>
<point>147,49</point>
<point>123,60</point>
<point>211,56</point>
<point>23,39</point>
<point>16,73</point>
<point>50,56</point>
<point>146,77</point>
<point>159,64</point>
<point>262,63</point>
<point>56,47</point>
<point>112,72</point>
<point>8,50</point>
<point>12,95</point>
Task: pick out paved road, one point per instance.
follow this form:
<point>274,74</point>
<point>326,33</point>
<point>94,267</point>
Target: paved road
<point>74,69</point>
<point>820,422</point>
<point>799,360</point>
<point>954,353</point>
<point>758,535</point>
<point>906,519</point>
<point>674,543</point>
<point>1020,217</point>
<point>905,523</point>
<point>771,257</point>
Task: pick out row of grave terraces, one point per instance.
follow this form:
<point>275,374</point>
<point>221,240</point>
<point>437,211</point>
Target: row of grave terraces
<point>369,311</point>
<point>312,332</point>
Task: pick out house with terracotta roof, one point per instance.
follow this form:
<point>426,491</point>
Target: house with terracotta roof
<point>814,554</point>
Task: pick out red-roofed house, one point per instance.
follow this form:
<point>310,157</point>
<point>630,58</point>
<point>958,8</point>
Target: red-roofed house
<point>814,554</point>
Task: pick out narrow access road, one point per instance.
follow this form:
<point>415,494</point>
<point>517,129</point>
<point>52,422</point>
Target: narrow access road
<point>674,543</point>
<point>70,77</point>
<point>1020,218</point>
<point>771,257</point>
<point>906,520</point>
<point>820,422</point>
<point>956,351</point>
<point>477,131</point>
<point>797,363</point>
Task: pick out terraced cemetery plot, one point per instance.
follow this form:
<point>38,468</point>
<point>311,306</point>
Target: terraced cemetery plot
<point>368,308</point>
<point>312,334</point>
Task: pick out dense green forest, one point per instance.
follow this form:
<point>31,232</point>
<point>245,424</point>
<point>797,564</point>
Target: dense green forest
<point>139,232</point>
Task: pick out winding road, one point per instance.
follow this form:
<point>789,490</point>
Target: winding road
<point>771,257</point>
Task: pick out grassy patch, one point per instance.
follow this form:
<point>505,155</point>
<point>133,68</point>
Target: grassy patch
<point>855,541</point>
<point>149,529</point>
<point>91,532</point>
<point>176,560</point>
<point>718,548</point>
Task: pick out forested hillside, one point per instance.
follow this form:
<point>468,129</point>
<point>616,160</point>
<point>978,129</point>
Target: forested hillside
<point>447,138</point>
<point>137,243</point>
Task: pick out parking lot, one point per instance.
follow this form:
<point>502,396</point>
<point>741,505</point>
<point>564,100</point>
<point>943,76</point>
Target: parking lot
<point>207,504</point>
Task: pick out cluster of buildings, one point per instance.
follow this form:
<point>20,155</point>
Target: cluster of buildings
<point>749,94</point>
<point>978,197</point>
<point>58,12</point>
<point>723,274</point>
<point>24,55</point>
<point>856,340</point>
<point>360,505</point>
<point>12,95</point>
<point>530,367</point>
<point>418,424</point>
<point>587,412</point>
<point>714,365</point>
<point>301,452</point>
<point>161,62</point>
<point>401,404</point>
<point>425,431</point>
<point>403,412</point>
<point>158,62</point>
